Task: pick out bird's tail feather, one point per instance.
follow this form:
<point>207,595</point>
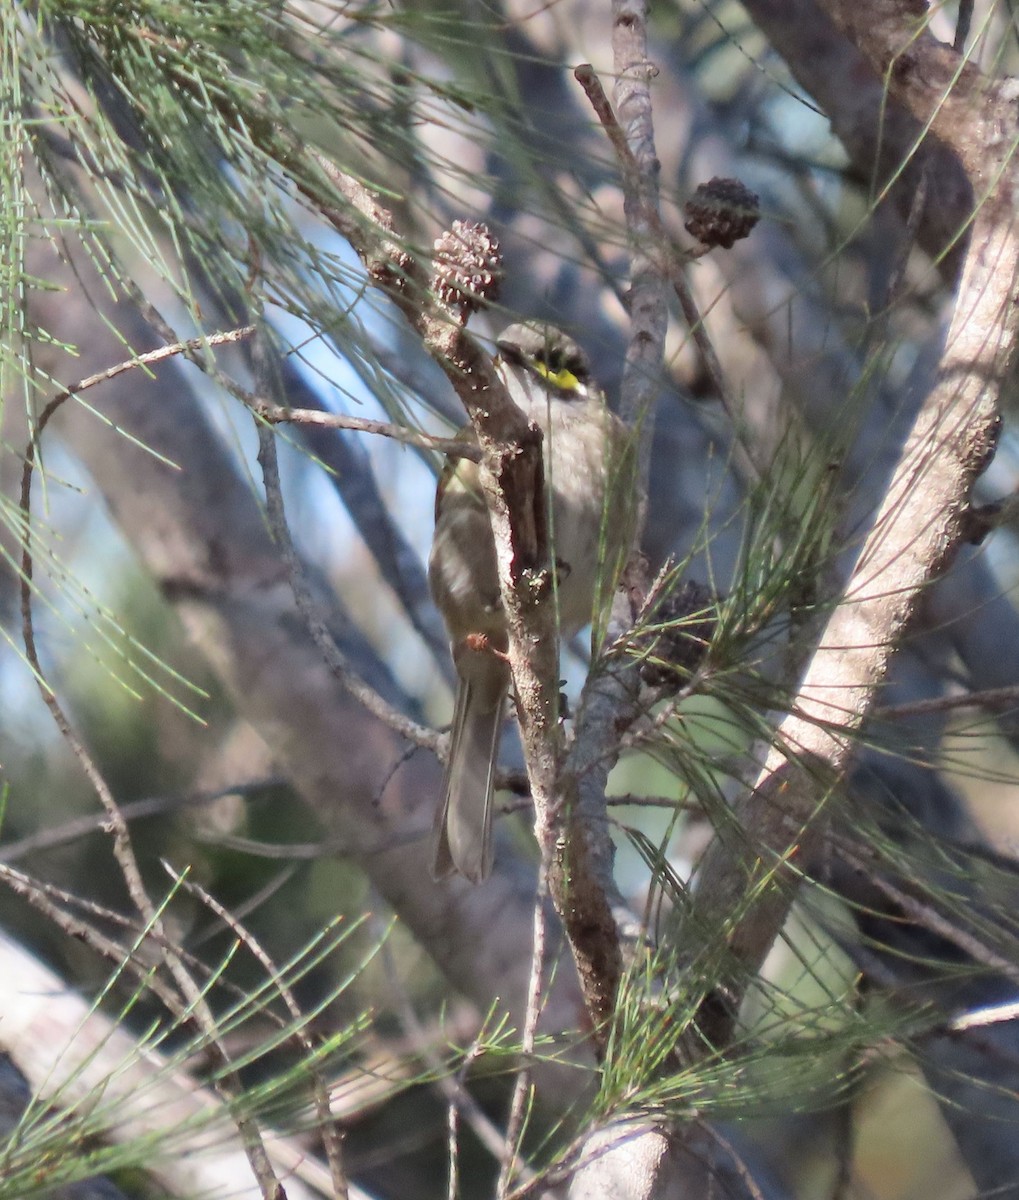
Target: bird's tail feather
<point>463,824</point>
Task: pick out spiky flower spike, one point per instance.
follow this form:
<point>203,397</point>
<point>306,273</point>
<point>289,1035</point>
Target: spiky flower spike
<point>466,268</point>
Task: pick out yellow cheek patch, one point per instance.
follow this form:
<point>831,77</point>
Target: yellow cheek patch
<point>563,379</point>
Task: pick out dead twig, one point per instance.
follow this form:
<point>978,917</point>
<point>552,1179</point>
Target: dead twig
<point>192,999</point>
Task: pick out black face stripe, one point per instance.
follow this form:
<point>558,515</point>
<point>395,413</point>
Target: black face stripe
<point>547,358</point>
<point>563,358</point>
<point>512,354</point>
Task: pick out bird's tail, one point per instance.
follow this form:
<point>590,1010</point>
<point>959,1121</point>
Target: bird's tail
<point>463,823</point>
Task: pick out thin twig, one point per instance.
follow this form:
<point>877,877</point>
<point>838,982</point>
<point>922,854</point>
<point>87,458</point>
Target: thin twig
<point>522,1088</point>
<point>275,414</point>
<point>327,1128</point>
<point>897,275</point>
<point>460,1104</point>
<point>325,848</point>
<point>672,258</point>
<point>742,1170</point>
<point>453,1110</point>
<point>119,956</point>
<point>176,350</point>
<point>586,76</point>
<point>991,698</point>
<point>123,850</point>
<point>252,904</point>
<point>52,896</point>
<point>311,612</point>
<point>46,898</point>
<point>925,915</point>
<point>135,810</point>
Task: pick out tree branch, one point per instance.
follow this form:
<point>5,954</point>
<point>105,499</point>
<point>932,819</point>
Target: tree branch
<point>919,525</point>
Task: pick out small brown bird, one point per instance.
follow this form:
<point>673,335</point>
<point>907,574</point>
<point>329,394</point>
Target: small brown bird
<point>588,464</point>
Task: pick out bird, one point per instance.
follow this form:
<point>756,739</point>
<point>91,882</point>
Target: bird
<point>588,460</point>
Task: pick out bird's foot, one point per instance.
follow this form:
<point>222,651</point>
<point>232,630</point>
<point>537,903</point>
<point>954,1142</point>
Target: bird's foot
<point>481,643</point>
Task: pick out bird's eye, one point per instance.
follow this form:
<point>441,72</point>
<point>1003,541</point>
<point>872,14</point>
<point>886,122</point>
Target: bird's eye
<point>512,354</point>
<point>576,364</point>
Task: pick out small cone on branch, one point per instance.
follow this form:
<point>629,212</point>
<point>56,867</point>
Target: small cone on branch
<point>721,212</point>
